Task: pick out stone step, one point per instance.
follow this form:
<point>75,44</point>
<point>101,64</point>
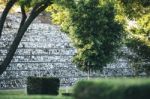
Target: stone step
<point>41,52</point>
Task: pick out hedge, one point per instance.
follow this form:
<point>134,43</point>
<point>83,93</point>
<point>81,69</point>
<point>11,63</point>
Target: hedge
<point>113,89</point>
<point>40,85</point>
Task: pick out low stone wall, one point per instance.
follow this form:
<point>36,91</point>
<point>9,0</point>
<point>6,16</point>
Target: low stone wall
<point>46,51</point>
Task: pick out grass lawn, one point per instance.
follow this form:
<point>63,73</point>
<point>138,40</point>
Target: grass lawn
<point>21,94</point>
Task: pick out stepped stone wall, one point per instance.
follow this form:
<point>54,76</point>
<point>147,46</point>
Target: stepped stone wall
<point>46,51</point>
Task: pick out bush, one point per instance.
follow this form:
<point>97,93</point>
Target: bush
<point>37,85</point>
<point>113,89</point>
<point>67,94</point>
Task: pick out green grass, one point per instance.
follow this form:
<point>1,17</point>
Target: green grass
<point>21,94</point>
<point>13,92</point>
<point>32,97</point>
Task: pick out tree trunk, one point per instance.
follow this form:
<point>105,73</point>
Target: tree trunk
<point>14,46</point>
<point>9,5</point>
<point>24,16</point>
<point>21,32</point>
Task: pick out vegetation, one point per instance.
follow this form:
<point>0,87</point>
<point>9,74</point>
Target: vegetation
<point>132,14</point>
<point>90,25</point>
<point>113,89</point>
<point>37,8</point>
<point>21,94</point>
<point>94,26</point>
<point>93,30</point>
<point>120,88</point>
<point>40,85</point>
<point>137,14</point>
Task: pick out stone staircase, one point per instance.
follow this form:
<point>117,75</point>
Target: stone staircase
<point>46,51</point>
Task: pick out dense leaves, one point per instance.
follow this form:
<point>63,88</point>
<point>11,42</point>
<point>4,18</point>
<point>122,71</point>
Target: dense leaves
<point>137,13</point>
<point>93,30</point>
<point>45,86</point>
<point>88,25</point>
<point>112,89</point>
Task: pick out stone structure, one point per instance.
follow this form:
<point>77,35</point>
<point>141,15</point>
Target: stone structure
<point>46,51</point>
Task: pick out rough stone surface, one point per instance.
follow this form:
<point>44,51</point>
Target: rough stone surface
<point>46,51</point>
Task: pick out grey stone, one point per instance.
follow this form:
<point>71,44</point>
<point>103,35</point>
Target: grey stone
<point>46,51</point>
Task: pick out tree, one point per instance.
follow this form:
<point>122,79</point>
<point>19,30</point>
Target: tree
<point>90,24</point>
<point>137,13</point>
<point>76,22</point>
<point>93,30</point>
<point>38,7</point>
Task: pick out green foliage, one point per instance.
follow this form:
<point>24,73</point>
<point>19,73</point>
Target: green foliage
<point>93,30</point>
<point>59,14</point>
<point>136,8</point>
<point>136,15</point>
<point>139,46</point>
<point>113,89</point>
<point>142,50</point>
<point>37,85</point>
<point>139,42</point>
<point>142,2</point>
<point>139,37</point>
<point>144,26</point>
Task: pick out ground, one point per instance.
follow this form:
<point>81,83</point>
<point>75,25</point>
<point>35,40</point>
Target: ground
<point>21,94</point>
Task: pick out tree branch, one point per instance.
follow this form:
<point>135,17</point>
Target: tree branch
<point>9,5</point>
<point>24,16</point>
<point>36,7</point>
<point>19,36</point>
<point>41,6</point>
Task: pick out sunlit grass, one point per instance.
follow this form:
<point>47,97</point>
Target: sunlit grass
<point>32,97</point>
<point>21,94</point>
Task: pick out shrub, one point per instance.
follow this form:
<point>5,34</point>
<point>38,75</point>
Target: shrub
<point>67,94</point>
<point>39,85</point>
<point>113,89</point>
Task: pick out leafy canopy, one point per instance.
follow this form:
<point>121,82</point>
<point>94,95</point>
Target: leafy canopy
<point>93,30</point>
<point>136,13</point>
